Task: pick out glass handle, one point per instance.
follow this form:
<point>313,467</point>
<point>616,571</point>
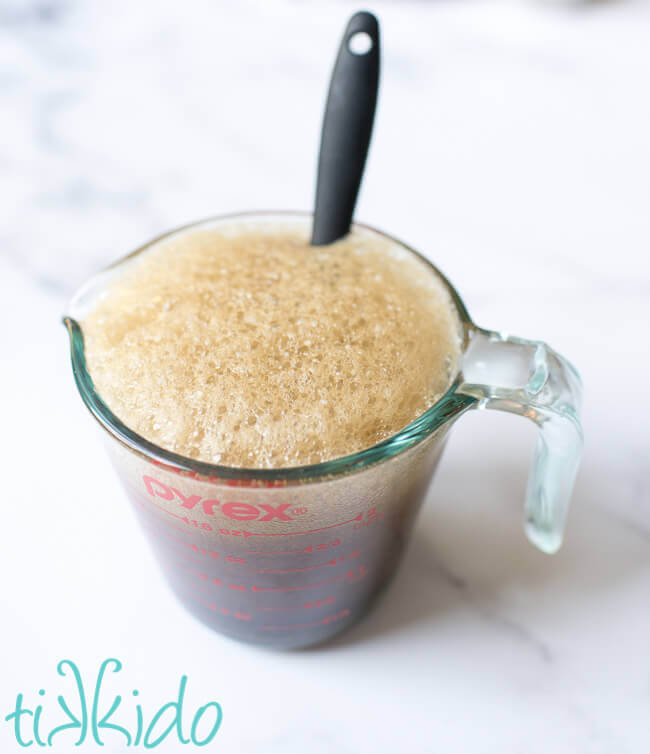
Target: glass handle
<point>528,378</point>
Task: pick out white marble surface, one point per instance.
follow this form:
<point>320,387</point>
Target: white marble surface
<point>512,146</point>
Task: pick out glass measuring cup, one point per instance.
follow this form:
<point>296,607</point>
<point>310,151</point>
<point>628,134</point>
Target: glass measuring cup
<point>289,557</point>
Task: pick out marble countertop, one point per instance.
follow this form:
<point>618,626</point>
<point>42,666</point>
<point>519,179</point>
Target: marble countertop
<point>512,147</point>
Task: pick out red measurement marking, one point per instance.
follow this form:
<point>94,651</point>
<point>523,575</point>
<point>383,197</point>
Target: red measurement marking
<point>297,570</point>
<point>306,606</point>
<point>169,541</point>
<point>233,533</point>
<point>185,519</point>
<point>332,562</point>
<point>150,526</point>
<point>352,576</point>
<point>162,524</point>
<point>183,566</point>
<point>322,622</point>
<point>142,498</point>
<point>371,518</point>
<point>310,548</point>
<point>223,610</point>
<point>203,551</point>
<point>205,577</point>
<point>183,560</point>
<point>211,579</point>
<point>230,559</point>
<point>195,548</point>
<point>310,531</point>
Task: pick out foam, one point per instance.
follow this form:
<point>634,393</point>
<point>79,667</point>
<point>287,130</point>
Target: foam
<point>250,348</point>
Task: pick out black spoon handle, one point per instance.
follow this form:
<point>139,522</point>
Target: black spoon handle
<point>347,127</point>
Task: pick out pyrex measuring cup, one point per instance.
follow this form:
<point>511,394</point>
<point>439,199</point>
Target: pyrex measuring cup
<point>289,557</point>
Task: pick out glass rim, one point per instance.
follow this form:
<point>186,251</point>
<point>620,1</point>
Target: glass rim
<point>449,405</point>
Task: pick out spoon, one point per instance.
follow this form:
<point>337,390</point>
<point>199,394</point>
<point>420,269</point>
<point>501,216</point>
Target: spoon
<point>347,128</point>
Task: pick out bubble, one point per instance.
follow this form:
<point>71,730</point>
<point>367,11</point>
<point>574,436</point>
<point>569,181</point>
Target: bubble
<point>251,349</point>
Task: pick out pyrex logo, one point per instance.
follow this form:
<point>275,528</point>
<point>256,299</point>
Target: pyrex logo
<point>210,506</point>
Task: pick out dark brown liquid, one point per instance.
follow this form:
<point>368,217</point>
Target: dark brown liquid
<point>287,591</point>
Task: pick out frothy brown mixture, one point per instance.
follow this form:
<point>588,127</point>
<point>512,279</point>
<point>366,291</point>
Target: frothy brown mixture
<point>254,349</point>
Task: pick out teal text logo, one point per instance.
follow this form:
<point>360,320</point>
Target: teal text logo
<point>100,718</point>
